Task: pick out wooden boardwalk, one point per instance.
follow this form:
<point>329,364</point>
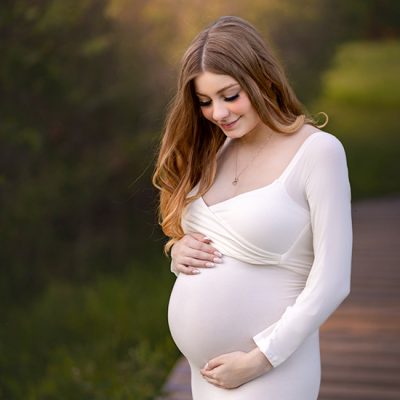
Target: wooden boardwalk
<point>360,343</point>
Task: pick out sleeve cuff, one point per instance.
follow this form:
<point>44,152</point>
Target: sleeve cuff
<point>263,342</point>
<point>173,270</point>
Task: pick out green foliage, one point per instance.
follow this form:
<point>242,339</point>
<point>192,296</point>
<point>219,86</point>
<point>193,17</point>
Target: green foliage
<point>104,340</point>
<point>74,135</point>
<point>362,98</point>
<point>366,74</point>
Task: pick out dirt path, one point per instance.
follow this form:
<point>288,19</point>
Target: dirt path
<point>360,343</point>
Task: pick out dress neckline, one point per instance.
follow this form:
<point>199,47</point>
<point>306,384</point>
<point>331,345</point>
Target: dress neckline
<point>280,178</point>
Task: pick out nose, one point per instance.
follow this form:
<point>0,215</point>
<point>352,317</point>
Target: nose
<point>220,111</point>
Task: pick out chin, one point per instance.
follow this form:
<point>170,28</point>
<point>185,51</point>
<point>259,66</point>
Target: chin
<point>234,135</point>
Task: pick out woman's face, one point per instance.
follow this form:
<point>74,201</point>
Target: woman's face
<point>226,104</point>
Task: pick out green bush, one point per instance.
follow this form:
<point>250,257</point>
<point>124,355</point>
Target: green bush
<point>362,97</point>
<point>106,340</point>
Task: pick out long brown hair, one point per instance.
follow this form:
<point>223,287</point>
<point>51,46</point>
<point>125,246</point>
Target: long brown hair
<point>187,155</point>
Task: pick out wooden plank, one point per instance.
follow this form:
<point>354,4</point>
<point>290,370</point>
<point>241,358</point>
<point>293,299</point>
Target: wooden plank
<point>360,344</point>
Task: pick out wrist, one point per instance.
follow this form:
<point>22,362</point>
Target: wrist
<point>260,360</point>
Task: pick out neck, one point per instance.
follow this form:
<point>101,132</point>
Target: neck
<point>256,137</point>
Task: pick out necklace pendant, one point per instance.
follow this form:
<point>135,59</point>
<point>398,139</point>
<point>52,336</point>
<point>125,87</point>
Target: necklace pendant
<point>235,181</point>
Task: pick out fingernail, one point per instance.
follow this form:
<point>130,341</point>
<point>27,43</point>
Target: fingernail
<point>195,271</point>
<point>210,265</point>
<point>217,253</point>
<point>207,238</point>
<point>217,260</point>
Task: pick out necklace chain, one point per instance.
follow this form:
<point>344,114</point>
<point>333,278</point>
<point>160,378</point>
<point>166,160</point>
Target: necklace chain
<point>237,175</point>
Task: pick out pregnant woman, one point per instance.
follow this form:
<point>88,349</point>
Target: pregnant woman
<point>255,199</point>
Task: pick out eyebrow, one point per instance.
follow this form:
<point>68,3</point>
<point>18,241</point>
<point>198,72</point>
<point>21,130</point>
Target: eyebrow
<point>221,90</point>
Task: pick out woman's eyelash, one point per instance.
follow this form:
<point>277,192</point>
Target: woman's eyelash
<point>208,102</point>
<point>205,103</point>
<point>232,98</point>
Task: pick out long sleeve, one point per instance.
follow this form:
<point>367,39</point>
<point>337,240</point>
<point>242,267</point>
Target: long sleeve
<point>329,198</point>
<point>173,269</point>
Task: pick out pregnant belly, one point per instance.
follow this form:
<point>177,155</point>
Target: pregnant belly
<point>220,310</point>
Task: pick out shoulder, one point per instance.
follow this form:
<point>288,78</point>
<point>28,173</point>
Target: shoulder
<point>324,145</point>
<point>325,168</point>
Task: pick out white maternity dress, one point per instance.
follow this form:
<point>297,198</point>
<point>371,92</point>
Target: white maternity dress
<point>286,267</point>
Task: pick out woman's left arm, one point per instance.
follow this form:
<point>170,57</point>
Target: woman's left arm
<point>328,284</point>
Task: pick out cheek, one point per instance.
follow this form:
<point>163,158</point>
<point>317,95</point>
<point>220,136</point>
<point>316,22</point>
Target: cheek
<point>241,106</point>
<point>207,113</point>
<point>249,110</point>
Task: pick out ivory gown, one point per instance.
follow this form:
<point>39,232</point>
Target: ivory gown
<point>286,267</point>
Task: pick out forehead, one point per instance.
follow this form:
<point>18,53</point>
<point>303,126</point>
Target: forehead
<point>210,84</point>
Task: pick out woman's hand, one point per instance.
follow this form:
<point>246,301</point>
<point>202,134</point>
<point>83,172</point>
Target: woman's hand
<point>232,370</point>
<point>192,252</point>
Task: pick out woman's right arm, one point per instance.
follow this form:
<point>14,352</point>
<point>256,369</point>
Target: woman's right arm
<point>192,252</point>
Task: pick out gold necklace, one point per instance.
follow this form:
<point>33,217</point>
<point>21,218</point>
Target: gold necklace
<point>237,175</point>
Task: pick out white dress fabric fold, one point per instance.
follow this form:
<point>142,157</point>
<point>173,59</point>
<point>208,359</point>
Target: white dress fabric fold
<point>286,267</point>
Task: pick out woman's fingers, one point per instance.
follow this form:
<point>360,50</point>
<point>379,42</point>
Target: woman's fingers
<point>200,263</point>
<point>187,270</point>
<point>216,362</point>
<point>193,252</point>
<point>191,266</point>
<point>189,251</point>
<point>201,237</point>
<point>198,259</point>
<point>211,377</point>
<point>197,242</point>
<point>201,255</point>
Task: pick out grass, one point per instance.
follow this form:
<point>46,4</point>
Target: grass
<point>362,97</point>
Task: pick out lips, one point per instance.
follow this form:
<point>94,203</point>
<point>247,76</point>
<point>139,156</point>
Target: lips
<point>230,125</point>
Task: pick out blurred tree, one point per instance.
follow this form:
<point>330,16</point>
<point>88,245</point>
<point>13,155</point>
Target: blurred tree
<point>76,111</point>
<point>370,19</point>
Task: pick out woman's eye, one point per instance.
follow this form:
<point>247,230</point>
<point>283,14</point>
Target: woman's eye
<point>232,98</point>
<point>204,103</point>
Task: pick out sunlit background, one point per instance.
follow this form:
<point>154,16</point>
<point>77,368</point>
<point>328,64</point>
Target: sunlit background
<point>83,91</point>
